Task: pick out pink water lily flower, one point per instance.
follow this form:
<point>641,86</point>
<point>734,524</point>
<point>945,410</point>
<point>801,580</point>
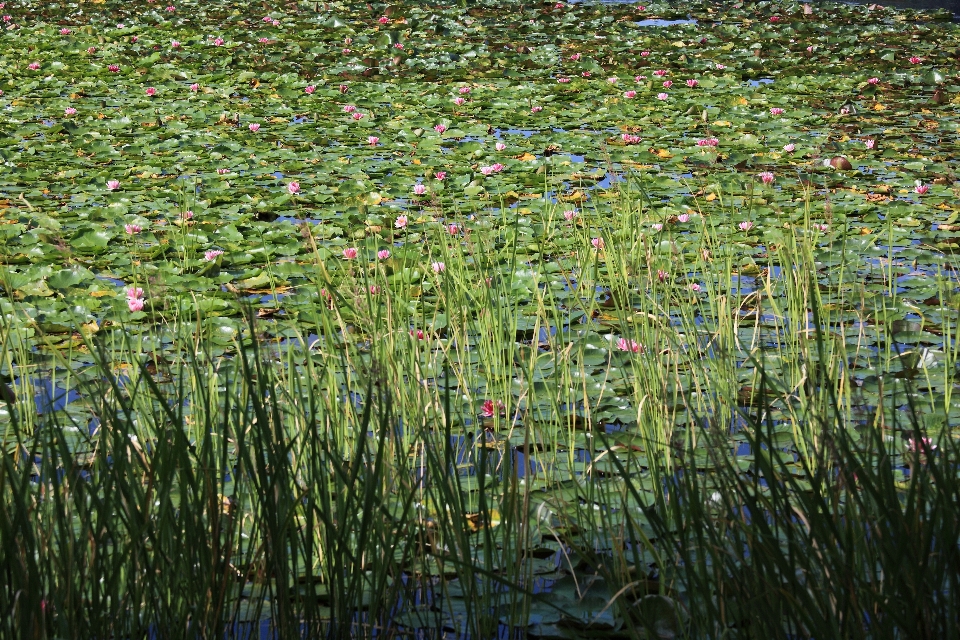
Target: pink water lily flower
<point>629,138</point>
<point>644,54</point>
<point>65,31</point>
<point>789,148</point>
<point>113,185</point>
<point>419,189</point>
<point>631,346</point>
<point>667,84</point>
<point>464,89</point>
<point>746,225</point>
<point>569,214</point>
<point>440,175</point>
<point>708,142</point>
<point>401,222</point>
<point>630,94</point>
<point>921,189</point>
<point>500,146</point>
<point>915,60</point>
<point>692,83</point>
<point>662,96</point>
<point>563,80</point>
<point>218,42</point>
<point>254,126</point>
<point>497,167</point>
<point>440,128</point>
<point>358,116</point>
<point>212,255</point>
<point>683,217</point>
<point>383,254</point>
<point>660,73</point>
<point>767,177</point>
<point>373,140</point>
<point>869,143</point>
<point>33,66</point>
<point>438,267</point>
<point>350,253</point>
<point>349,108</point>
<point>719,66</point>
<point>310,89</point>
<point>486,170</point>
<point>575,57</point>
<point>175,44</point>
<point>777,111</point>
<point>132,229</point>
<point>135,304</point>
<point>873,81</point>
<point>293,188</point>
<point>151,91</point>
<point>135,292</point>
<point>194,87</point>
<point>536,109</point>
<point>263,40</point>
<point>69,111</point>
<point>597,243</point>
<point>383,19</point>
<point>459,101</point>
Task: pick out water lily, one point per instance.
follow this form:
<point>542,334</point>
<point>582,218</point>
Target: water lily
<point>497,167</point>
<point>69,111</point>
<point>113,185</point>
<point>132,229</point>
<point>440,176</point>
<point>746,225</point>
<point>767,177</point>
<point>569,214</point>
<point>350,253</point>
<point>254,126</point>
<point>921,189</point>
<point>218,42</point>
<point>358,116</point>
<point>662,96</point>
<point>212,255</point>
<point>873,81</point>
<point>459,101</point>
<point>135,304</point>
<point>536,109</point>
<point>383,254</point>
<point>310,89</point>
<point>401,222</point>
<point>869,143</point>
<point>500,146</point>
<point>151,91</point>
<point>683,217</point>
<point>383,19</point>
<point>631,346</point>
<point>440,128</point>
<point>453,229</point>
<point>438,267</point>
<point>464,89</point>
<point>644,54</point>
<point>175,44</point>
<point>692,83</point>
<point>65,31</point>
<point>419,189</point>
<point>486,170</point>
<point>667,84</point>
<point>708,142</point>
<point>373,140</point>
<point>660,73</point>
<point>194,87</point>
<point>777,111</point>
<point>293,188</point>
<point>915,60</point>
<point>789,148</point>
<point>597,243</point>
<point>694,287</point>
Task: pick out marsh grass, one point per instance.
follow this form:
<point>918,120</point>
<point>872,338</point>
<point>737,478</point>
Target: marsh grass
<point>728,479</point>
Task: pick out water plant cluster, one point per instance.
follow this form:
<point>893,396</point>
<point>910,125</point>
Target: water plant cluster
<point>536,319</point>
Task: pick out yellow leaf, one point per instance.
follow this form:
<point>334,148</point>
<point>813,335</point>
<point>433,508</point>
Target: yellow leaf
<point>526,157</point>
<point>416,161</point>
<point>663,154</point>
<point>576,196</point>
<point>741,101</point>
<point>721,123</point>
<point>878,107</point>
<point>711,197</point>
